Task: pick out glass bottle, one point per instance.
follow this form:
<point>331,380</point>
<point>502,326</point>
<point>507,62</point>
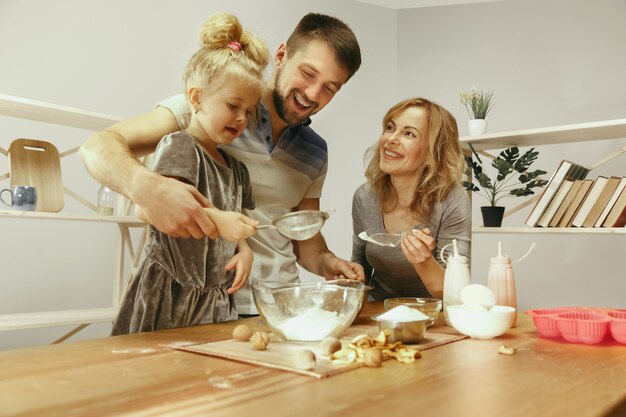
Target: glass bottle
<point>106,201</point>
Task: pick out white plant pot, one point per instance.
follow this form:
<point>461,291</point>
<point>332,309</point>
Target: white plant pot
<point>477,127</point>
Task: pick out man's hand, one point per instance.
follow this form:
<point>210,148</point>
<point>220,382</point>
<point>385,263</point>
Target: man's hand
<point>173,207</point>
<point>231,225</point>
<point>314,256</point>
<point>170,205</point>
<point>335,268</point>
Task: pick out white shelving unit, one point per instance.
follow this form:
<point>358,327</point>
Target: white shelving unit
<point>558,135</point>
<point>65,116</point>
<point>551,230</point>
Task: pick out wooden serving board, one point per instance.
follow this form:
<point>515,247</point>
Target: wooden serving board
<point>36,163</point>
<point>279,353</point>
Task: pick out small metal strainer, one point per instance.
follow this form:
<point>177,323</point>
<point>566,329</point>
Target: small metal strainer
<point>299,225</point>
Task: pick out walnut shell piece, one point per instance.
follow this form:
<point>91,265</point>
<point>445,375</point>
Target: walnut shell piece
<point>259,340</point>
<point>344,356</point>
<point>242,333</point>
<point>373,357</point>
<point>506,350</point>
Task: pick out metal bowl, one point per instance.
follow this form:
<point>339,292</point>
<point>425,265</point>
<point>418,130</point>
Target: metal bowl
<point>429,306</point>
<point>403,331</point>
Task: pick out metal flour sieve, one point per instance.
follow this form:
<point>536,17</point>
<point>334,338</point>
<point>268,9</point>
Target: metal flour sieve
<point>299,225</point>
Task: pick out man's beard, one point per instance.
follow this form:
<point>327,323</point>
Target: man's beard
<point>280,104</point>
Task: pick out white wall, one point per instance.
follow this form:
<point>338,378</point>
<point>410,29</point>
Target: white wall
<point>549,63</point>
<point>120,57</point>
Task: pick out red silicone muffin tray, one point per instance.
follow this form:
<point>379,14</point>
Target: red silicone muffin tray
<point>588,325</point>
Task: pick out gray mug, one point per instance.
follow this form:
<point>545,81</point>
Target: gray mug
<point>23,198</point>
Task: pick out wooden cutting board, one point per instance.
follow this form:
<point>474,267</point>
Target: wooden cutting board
<point>36,163</point>
<point>279,353</point>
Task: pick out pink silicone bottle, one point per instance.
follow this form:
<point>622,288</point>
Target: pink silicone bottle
<point>501,280</point>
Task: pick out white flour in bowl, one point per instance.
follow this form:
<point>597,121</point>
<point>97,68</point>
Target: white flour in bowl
<point>403,313</point>
<point>313,324</point>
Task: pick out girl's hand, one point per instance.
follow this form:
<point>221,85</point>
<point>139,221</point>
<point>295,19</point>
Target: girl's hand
<point>231,225</point>
<point>417,246</point>
<point>241,262</point>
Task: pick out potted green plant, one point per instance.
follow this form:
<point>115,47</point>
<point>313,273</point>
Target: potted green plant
<point>478,105</point>
<point>508,164</point>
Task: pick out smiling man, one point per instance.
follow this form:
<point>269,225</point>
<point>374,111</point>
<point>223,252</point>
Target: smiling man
<point>287,160</point>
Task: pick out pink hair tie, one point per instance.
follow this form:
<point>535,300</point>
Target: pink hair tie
<point>234,45</point>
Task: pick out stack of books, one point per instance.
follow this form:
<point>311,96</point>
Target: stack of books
<point>572,200</point>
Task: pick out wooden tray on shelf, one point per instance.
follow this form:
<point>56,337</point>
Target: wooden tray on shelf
<point>36,163</point>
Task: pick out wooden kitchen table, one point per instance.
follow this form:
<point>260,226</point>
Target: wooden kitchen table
<point>138,375</point>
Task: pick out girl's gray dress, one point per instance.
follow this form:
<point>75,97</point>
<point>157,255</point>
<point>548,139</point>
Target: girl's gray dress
<point>183,282</point>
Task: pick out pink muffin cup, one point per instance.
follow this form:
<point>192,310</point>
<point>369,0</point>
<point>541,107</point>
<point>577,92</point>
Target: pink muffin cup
<point>618,325</point>
<point>586,326</point>
<point>545,320</point>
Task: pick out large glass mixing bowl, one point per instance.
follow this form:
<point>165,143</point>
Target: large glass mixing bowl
<point>308,311</point>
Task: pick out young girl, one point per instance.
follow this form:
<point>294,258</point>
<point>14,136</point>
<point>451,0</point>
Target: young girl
<point>185,282</point>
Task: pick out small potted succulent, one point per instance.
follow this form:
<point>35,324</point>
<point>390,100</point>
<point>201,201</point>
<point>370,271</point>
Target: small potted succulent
<point>508,164</point>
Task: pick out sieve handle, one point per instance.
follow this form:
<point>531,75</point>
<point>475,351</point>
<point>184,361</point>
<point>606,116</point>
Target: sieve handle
<point>265,226</point>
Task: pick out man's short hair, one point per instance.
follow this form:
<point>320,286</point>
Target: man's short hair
<point>332,31</point>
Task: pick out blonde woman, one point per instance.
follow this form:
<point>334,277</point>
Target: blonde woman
<point>185,282</point>
<point>413,186</point>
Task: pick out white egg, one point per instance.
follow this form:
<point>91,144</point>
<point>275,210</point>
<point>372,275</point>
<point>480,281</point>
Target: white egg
<point>474,307</point>
<point>478,294</point>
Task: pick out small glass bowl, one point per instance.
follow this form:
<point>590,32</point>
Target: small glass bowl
<point>429,306</point>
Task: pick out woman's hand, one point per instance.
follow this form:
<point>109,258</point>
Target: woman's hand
<point>231,225</point>
<point>417,246</point>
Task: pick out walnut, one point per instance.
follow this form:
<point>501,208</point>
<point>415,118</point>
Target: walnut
<point>243,332</point>
<point>259,340</point>
<point>330,345</point>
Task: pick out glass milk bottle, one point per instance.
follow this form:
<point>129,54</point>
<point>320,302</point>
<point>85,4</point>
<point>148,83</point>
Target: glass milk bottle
<point>456,277</point>
<point>106,201</point>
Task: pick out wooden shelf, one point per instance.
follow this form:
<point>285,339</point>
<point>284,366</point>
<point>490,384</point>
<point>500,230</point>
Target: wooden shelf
<point>581,132</point>
<point>550,230</point>
<point>129,221</point>
<point>21,108</point>
<point>51,113</point>
<point>56,318</point>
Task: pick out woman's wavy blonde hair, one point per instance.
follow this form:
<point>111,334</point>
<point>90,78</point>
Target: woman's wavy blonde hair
<point>443,165</point>
<point>247,55</point>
